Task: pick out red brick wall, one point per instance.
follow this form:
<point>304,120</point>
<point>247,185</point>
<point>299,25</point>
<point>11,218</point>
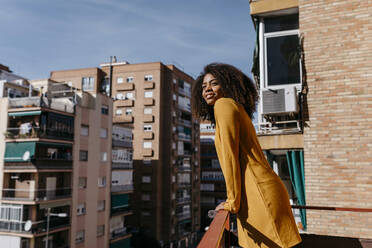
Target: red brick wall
<point>338,139</point>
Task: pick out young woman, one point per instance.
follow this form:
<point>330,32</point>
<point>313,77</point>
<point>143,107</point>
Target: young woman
<point>225,96</point>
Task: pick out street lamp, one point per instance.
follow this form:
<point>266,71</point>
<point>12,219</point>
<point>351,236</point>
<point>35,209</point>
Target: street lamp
<point>48,214</point>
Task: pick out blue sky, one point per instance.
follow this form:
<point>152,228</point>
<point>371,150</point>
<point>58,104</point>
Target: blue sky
<point>42,35</point>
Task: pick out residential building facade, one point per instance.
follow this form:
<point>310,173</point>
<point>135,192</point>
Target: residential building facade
<point>313,72</point>
<point>155,101</point>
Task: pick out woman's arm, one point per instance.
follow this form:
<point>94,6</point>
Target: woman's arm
<point>227,114</point>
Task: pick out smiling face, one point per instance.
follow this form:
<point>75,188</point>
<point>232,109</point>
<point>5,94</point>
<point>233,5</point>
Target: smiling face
<point>212,90</point>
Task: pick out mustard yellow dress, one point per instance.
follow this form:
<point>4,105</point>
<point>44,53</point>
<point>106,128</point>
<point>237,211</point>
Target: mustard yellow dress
<point>254,191</point>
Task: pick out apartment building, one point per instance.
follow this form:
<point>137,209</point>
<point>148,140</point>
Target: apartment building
<point>56,162</point>
<point>212,185</point>
<point>311,68</point>
<point>155,101</point>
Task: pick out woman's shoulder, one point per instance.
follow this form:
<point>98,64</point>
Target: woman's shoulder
<point>226,103</point>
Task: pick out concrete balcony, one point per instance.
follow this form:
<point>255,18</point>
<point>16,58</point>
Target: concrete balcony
<point>149,85</point>
<point>148,118</point>
<point>36,195</point>
<point>122,188</point>
<point>125,86</point>
<point>124,119</point>
<point>148,135</point>
<point>149,101</point>
<point>124,103</point>
<point>147,152</point>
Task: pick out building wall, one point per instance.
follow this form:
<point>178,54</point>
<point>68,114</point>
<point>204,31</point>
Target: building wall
<point>92,170</point>
<point>337,138</point>
<point>3,127</point>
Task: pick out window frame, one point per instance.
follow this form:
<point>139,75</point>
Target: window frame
<point>266,36</point>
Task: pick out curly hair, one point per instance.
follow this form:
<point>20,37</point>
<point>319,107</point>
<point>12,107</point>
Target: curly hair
<point>234,84</point>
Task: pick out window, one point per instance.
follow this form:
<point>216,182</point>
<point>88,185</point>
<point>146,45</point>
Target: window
<point>146,213</point>
<point>104,109</point>
<point>103,156</point>
<point>120,96</point>
<point>148,77</point>
<point>145,197</point>
<point>146,179</point>
<point>101,182</point>
<point>147,127</point>
<point>174,97</point>
<point>282,57</point>
<point>147,144</point>
<point>82,182</point>
<point>147,162</point>
<point>129,95</point>
<point>130,79</point>
<point>119,111</point>
<point>100,230</point>
<point>148,94</point>
<point>81,209</point>
<point>119,80</point>
<point>87,83</point>
<point>84,131</point>
<point>147,111</point>
<point>128,111</point>
<point>101,205</point>
<point>80,236</point>
<point>83,155</point>
<point>103,133</point>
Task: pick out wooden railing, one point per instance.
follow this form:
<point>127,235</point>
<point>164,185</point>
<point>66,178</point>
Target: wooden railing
<point>218,234</point>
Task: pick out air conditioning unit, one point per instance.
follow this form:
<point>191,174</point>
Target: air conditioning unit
<point>279,101</point>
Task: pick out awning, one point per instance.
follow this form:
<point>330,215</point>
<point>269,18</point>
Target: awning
<point>19,151</point>
<point>25,113</point>
<point>119,201</point>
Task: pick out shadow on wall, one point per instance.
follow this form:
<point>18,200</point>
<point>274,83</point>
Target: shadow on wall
<point>312,241</point>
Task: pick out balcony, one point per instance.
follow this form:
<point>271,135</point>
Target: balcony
<point>149,85</point>
<point>124,103</point>
<point>119,233</point>
<point>37,227</point>
<point>184,92</point>
<point>39,155</point>
<point>183,215</point>
<point>124,119</point>
<point>29,132</point>
<point>218,234</point>
<point>122,165</point>
<point>185,108</point>
<point>183,200</point>
<point>125,86</point>
<point>148,102</point>
<point>184,122</point>
<point>148,118</point>
<point>122,188</point>
<point>36,195</point>
<point>41,102</point>
<point>147,152</point>
<point>148,135</point>
<point>119,203</point>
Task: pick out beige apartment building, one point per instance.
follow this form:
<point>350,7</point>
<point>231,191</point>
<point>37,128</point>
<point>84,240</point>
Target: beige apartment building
<point>56,162</point>
<point>312,67</point>
<point>155,101</point>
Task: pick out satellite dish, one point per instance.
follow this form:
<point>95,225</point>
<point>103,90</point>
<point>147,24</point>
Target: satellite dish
<point>28,225</point>
<point>26,156</point>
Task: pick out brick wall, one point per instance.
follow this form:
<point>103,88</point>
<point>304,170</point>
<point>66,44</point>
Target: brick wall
<point>338,138</point>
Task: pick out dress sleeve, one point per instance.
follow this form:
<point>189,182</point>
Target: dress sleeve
<point>227,114</point>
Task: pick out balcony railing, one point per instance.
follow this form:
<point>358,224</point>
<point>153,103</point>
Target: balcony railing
<point>121,188</point>
<point>184,92</point>
<point>36,195</point>
<point>37,132</point>
<point>181,200</point>
<point>122,165</point>
<point>183,215</point>
<point>185,122</point>
<point>119,232</point>
<point>37,226</point>
<point>218,234</point>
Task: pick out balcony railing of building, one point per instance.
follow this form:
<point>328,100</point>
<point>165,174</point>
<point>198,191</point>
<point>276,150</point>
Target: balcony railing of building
<point>184,122</point>
<point>182,200</point>
<point>218,234</point>
<point>37,132</point>
<point>185,92</point>
<point>123,165</point>
<point>36,195</point>
<point>37,226</point>
<point>119,232</point>
<point>122,188</point>
<point>37,101</point>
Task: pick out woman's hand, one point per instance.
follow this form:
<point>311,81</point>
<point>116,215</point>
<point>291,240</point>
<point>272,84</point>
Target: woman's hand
<point>220,206</point>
